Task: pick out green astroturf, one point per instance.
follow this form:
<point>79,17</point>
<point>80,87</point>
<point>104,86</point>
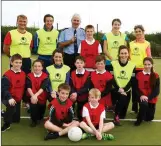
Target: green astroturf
<point>127,134</point>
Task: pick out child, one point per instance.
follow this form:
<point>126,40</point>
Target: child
<point>61,114</point>
<point>79,84</point>
<point>102,80</point>
<point>13,84</point>
<point>89,48</point>
<point>93,118</point>
<point>148,83</point>
<point>37,82</point>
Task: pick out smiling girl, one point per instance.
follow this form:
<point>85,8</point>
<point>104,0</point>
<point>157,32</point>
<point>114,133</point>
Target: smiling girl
<point>112,41</point>
<point>37,82</point>
<point>122,71</point>
<point>148,89</point>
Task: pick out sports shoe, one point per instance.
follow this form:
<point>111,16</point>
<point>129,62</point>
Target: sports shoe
<point>117,121</point>
<point>137,123</point>
<point>106,136</point>
<point>86,135</point>
<point>33,124</point>
<point>5,127</point>
<point>51,135</point>
<point>2,113</point>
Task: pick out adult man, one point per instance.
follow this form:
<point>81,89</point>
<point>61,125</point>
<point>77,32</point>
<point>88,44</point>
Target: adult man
<point>69,40</point>
<point>45,40</point>
<point>19,41</point>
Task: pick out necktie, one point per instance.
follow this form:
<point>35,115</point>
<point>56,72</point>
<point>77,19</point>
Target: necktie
<point>75,42</point>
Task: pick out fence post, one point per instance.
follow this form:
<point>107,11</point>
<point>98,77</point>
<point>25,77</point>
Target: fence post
<point>57,26</point>
<point>97,31</point>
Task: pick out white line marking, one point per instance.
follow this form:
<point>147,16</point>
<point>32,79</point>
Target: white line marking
<point>106,119</point>
<point>132,120</point>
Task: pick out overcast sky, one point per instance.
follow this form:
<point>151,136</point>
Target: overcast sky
<point>147,13</point>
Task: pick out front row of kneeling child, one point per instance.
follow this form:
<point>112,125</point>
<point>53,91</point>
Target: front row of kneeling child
<point>61,116</point>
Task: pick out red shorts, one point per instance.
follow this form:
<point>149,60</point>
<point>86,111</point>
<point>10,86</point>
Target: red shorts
<point>106,100</point>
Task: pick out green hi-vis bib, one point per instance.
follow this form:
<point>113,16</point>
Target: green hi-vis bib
<point>57,75</point>
<point>20,43</point>
<point>114,42</point>
<point>47,43</point>
<point>138,53</point>
<point>122,75</point>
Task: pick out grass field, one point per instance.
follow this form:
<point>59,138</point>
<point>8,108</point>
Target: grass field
<point>127,134</point>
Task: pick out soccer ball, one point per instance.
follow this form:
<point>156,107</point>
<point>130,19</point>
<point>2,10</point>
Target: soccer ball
<point>75,134</point>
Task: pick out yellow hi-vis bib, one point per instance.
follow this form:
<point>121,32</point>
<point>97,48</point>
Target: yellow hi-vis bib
<point>57,75</point>
<point>138,53</point>
<point>20,43</point>
<point>47,41</point>
<point>114,42</point>
<point>122,74</point>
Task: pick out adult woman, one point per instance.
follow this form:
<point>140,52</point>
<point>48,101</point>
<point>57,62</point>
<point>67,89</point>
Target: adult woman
<point>58,72</point>
<point>122,71</point>
<point>139,49</point>
<point>148,88</point>
<point>112,41</point>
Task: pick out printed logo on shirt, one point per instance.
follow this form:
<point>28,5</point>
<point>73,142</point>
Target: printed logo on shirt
<point>57,76</point>
<point>122,75</point>
<point>87,54</point>
<point>63,114</point>
<point>115,45</point>
<point>18,84</point>
<point>23,41</point>
<point>136,51</point>
<point>102,84</point>
<point>18,81</point>
<point>48,39</point>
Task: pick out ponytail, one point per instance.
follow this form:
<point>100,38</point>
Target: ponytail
<point>152,78</point>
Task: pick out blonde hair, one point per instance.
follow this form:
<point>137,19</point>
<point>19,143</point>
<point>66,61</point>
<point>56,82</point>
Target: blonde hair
<point>95,92</point>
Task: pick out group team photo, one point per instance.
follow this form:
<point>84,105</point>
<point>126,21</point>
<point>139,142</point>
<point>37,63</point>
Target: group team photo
<point>70,84</point>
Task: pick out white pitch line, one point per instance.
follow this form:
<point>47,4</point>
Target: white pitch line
<point>106,119</point>
<point>132,120</point>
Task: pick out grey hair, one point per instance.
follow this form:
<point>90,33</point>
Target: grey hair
<point>76,15</point>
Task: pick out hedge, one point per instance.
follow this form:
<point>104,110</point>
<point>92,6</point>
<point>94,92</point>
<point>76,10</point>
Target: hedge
<point>154,39</point>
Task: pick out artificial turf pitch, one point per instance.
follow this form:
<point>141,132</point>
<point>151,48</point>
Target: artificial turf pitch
<point>127,134</point>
